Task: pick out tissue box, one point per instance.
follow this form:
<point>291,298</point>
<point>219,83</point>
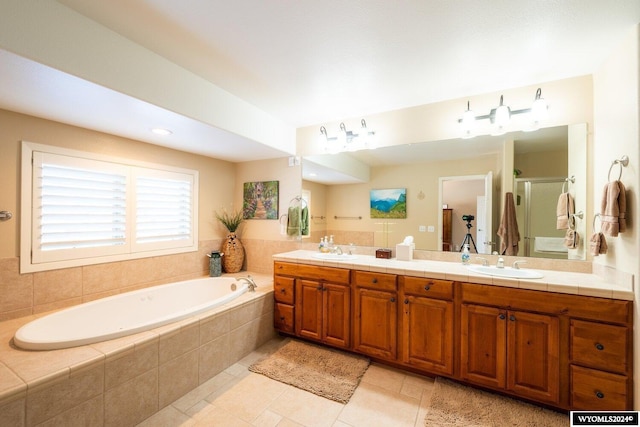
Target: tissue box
<point>383,253</point>
<point>404,252</point>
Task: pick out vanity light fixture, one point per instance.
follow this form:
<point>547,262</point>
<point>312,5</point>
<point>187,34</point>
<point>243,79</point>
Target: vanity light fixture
<point>347,140</point>
<point>500,116</point>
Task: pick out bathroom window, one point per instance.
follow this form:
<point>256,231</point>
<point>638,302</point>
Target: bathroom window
<point>88,209</point>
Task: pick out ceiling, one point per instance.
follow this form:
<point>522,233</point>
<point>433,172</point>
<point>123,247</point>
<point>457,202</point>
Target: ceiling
<point>308,62</point>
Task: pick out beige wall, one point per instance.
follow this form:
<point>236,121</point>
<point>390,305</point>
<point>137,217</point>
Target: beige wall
<point>617,133</point>
<point>217,177</point>
<point>220,187</point>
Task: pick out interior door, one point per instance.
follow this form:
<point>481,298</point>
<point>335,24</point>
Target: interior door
<point>484,233</point>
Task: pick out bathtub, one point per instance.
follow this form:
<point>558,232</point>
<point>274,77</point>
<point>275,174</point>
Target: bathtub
<point>127,313</point>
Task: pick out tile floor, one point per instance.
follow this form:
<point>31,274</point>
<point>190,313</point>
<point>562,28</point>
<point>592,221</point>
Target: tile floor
<point>237,397</point>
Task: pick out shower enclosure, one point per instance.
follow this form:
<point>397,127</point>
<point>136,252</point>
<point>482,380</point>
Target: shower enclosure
<point>536,202</point>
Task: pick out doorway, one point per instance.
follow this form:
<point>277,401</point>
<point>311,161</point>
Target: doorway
<point>468,196</point>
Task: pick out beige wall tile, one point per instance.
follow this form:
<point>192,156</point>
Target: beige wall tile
<point>16,289</point>
<point>103,277</point>
<point>13,413</point>
<point>176,344</point>
<point>56,305</point>
<point>214,327</point>
<point>177,377</point>
<point>10,383</point>
<point>133,401</point>
<point>89,413</point>
<point>213,358</point>
<point>47,402</point>
<point>57,285</point>
<point>125,367</point>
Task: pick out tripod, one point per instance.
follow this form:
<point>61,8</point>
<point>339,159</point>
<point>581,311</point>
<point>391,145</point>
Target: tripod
<point>468,238</point>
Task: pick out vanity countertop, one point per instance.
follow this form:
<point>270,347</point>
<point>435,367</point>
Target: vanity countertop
<point>552,281</point>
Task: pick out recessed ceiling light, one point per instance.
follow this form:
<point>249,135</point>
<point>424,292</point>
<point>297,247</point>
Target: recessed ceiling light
<point>161,131</point>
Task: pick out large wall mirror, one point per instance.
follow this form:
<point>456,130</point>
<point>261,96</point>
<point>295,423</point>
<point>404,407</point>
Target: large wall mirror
<point>447,183</point>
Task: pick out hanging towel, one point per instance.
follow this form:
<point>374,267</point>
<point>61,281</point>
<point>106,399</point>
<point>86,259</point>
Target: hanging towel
<point>549,244</point>
<point>508,230</point>
<point>293,223</point>
<point>597,244</point>
<point>613,209</point>
<point>304,221</point>
<point>564,211</point>
<point>571,239</point>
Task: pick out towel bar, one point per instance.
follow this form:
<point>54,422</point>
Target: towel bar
<point>622,162</point>
<point>5,215</point>
<point>347,217</point>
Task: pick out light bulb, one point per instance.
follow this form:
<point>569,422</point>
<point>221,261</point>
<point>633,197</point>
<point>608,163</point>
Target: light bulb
<point>468,123</point>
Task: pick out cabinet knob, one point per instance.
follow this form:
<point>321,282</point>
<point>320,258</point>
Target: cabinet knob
<point>393,299</point>
<point>599,394</point>
<point>406,301</point>
<point>319,287</point>
<point>426,288</point>
<point>281,317</point>
<point>599,346</point>
<point>283,290</point>
<point>502,316</point>
<point>374,280</point>
<point>512,318</point>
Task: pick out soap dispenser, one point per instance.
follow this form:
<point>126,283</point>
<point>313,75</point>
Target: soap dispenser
<point>465,254</point>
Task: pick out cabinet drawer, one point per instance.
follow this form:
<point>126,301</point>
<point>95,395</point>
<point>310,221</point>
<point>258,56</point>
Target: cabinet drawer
<point>283,289</point>
<point>283,317</point>
<point>366,279</point>
<point>432,288</point>
<point>598,391</point>
<point>328,274</point>
<point>599,346</point>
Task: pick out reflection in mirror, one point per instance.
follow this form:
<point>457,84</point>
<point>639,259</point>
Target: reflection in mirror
<point>340,184</point>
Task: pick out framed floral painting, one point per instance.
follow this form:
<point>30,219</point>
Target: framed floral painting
<point>260,200</point>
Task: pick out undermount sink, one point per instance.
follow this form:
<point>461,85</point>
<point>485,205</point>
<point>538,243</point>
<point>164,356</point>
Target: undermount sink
<point>334,257</point>
<point>511,272</point>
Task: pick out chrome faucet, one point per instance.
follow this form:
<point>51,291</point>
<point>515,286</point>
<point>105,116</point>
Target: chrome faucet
<point>250,282</point>
<point>485,263</point>
<point>517,263</point>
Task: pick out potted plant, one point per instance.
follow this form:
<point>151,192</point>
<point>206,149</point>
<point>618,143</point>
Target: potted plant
<point>231,247</point>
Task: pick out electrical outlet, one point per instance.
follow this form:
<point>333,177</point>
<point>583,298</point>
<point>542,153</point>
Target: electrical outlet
<point>431,229</point>
<point>422,228</point>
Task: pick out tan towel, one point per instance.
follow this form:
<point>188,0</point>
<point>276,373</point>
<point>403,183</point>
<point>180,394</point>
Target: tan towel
<point>597,244</point>
<point>571,239</point>
<point>613,208</point>
<point>564,210</point>
<point>508,230</point>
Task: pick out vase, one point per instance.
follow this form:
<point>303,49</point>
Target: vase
<point>233,257</point>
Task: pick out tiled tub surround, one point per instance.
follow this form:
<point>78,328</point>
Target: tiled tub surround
<point>34,293</point>
<point>123,381</point>
<point>602,282</point>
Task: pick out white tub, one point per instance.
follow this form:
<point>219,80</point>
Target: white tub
<point>127,313</point>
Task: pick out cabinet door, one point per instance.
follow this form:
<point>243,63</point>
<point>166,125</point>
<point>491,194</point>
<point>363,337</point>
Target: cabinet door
<point>427,332</point>
<point>336,316</point>
<point>375,323</point>
<point>533,352</point>
<point>483,345</point>
<point>309,309</point>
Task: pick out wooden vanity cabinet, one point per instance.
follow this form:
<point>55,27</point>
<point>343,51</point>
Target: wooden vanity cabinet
<point>506,347</point>
<point>568,351</point>
<point>512,350</point>
<point>427,326</point>
<point>322,302</point>
<point>375,317</point>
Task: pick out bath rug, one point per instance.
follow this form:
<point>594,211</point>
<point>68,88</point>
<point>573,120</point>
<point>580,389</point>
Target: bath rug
<point>453,404</point>
<point>323,371</point>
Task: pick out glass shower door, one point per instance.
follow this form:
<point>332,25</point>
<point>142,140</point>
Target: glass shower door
<point>536,202</point>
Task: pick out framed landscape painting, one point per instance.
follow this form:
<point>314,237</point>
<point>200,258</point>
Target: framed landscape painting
<point>389,203</point>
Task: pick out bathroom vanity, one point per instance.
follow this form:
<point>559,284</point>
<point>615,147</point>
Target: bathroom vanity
<point>564,340</point>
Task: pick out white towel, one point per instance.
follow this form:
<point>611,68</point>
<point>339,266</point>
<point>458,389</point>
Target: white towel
<point>549,244</point>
